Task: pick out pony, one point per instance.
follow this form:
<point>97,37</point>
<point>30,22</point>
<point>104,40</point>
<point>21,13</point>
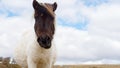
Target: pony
<point>36,48</point>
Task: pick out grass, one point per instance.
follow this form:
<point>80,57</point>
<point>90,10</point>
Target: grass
<point>88,66</point>
<point>66,66</point>
<point>9,66</point>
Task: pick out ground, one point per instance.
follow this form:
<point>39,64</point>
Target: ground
<point>66,66</point>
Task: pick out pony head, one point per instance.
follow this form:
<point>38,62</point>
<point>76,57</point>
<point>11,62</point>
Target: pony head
<point>44,22</point>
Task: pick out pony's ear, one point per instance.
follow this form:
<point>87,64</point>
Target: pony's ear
<point>38,7</point>
<point>35,4</point>
<point>54,6</point>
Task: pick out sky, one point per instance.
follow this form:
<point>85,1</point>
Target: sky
<point>87,31</point>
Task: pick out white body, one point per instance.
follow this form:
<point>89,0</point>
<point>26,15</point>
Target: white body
<point>29,54</point>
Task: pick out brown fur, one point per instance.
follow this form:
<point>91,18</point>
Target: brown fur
<point>44,19</point>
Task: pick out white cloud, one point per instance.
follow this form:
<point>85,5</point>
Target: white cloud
<point>115,1</point>
<point>103,29</point>
<point>17,4</point>
<point>11,29</point>
<point>69,40</point>
<point>105,21</point>
<point>102,39</point>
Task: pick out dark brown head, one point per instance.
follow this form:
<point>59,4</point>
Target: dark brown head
<point>44,23</point>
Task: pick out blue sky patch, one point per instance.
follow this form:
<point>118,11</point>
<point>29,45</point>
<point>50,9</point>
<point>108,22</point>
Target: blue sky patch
<point>77,25</point>
<point>9,13</point>
<point>1,12</point>
<point>94,2</point>
<point>4,10</point>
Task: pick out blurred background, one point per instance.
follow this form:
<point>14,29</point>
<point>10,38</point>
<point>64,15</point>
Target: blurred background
<point>87,31</point>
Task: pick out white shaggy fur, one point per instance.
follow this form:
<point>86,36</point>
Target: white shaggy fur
<point>29,54</point>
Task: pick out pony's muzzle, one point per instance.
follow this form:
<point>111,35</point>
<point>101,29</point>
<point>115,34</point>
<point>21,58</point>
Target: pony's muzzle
<point>44,41</point>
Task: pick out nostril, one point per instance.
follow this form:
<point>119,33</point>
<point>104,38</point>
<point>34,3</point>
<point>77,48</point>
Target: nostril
<point>47,38</point>
<point>44,40</point>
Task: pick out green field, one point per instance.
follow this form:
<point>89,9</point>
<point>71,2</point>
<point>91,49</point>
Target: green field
<point>66,66</point>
